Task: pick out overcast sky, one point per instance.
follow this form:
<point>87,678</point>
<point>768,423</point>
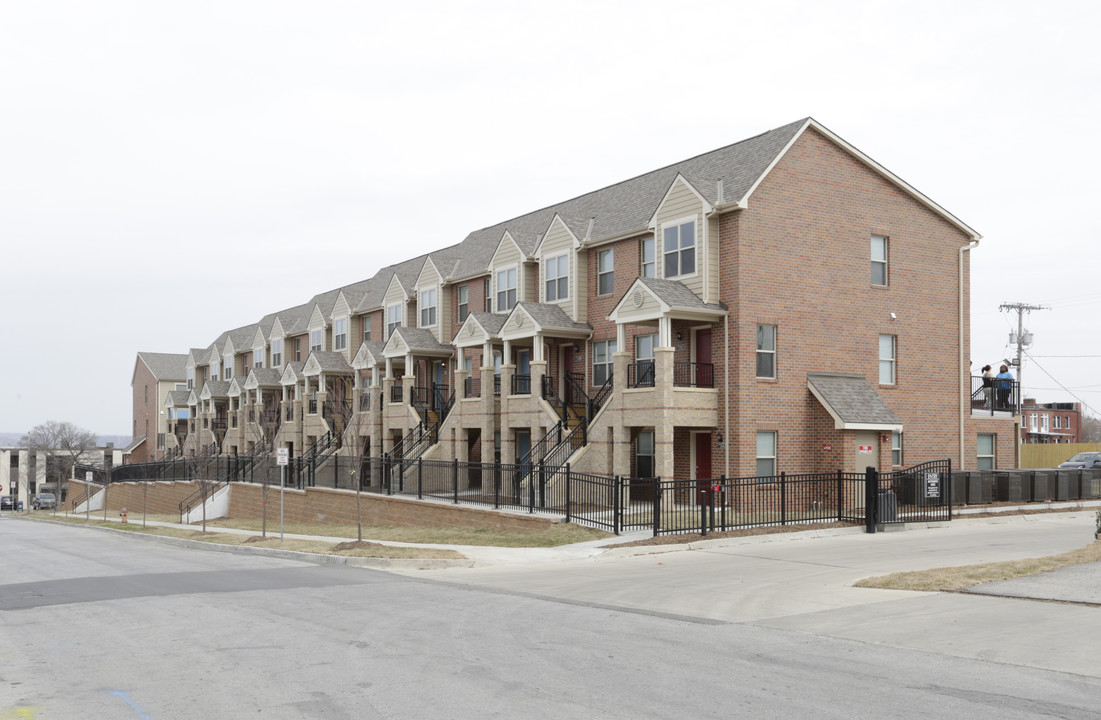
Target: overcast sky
<point>170,171</point>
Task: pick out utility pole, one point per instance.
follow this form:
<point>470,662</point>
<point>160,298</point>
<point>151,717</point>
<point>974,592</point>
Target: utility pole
<point>1022,338</point>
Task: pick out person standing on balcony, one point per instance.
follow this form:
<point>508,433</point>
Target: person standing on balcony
<point>1003,383</point>
<point>987,385</point>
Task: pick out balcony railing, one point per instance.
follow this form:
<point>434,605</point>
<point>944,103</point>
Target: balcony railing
<point>473,387</point>
<point>396,393</point>
<point>690,374</point>
<point>999,396</point>
<point>496,384</point>
<point>521,384</point>
<point>290,412</point>
<point>365,401</point>
<point>233,420</point>
<point>640,374</point>
<point>313,406</point>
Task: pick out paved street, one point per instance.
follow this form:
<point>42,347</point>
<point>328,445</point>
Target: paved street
<point>96,624</point>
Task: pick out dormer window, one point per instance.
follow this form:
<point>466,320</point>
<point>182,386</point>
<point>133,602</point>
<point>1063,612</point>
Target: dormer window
<point>464,302</point>
<point>367,328</point>
<point>557,277</point>
<point>428,308</point>
<point>506,290</point>
<point>276,353</point>
<point>258,358</point>
<point>315,340</point>
<point>393,318</point>
<point>190,378</point>
<point>679,248</point>
<point>227,365</point>
<point>340,333</point>
<point>649,264</point>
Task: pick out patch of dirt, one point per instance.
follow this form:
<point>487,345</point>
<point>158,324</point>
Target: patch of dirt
<point>684,538</point>
<point>355,545</point>
<point>258,538</point>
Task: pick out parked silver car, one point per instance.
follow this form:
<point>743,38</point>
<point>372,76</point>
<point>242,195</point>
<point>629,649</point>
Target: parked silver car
<point>44,501</point>
<point>1084,460</point>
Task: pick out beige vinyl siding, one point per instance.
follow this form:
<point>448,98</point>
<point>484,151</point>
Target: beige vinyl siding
<point>444,312</point>
<point>428,279</point>
<point>558,241</point>
<point>528,277</point>
<point>579,286</point>
<point>711,261</point>
<point>682,202</point>
<point>506,256</point>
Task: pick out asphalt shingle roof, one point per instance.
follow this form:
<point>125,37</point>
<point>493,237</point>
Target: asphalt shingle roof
<point>165,366</point>
<point>852,399</point>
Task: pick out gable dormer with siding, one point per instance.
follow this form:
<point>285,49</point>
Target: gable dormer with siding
<point>214,364</point>
<point>431,302</point>
<point>561,275</point>
<point>259,349</point>
<point>277,352</point>
<point>229,359</point>
<point>683,249</point>
<point>341,318</point>
<point>317,334</point>
<point>506,270</point>
<point>395,308</point>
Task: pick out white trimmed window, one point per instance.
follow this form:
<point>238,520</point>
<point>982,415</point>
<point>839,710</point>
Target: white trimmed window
<point>766,351</point>
<point>1057,424</point>
<point>277,352</point>
<point>896,448</point>
<point>1033,422</point>
<point>557,277</point>
<point>605,276</point>
<point>340,333</point>
<point>879,260</point>
<point>679,248</point>
<point>428,307</point>
<point>227,367</point>
<point>649,262</point>
<point>985,453</point>
<point>393,318</point>
<point>602,360</point>
<point>506,289</point>
<point>190,378</point>
<point>315,339</point>
<point>367,328</point>
<point>1045,423</point>
<point>645,463</point>
<point>258,358</point>
<point>766,454</point>
<point>887,355</point>
<point>464,302</point>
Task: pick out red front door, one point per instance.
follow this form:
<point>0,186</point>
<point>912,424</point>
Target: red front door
<point>703,466</point>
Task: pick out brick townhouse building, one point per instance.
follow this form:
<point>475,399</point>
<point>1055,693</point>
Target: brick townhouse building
<point>1055,422</point>
<point>154,376</point>
<point>784,303</point>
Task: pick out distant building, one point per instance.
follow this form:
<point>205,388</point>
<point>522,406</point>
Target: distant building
<point>1043,423</point>
<point>25,474</point>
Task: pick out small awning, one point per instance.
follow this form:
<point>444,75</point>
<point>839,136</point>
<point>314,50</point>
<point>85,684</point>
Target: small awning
<point>852,402</point>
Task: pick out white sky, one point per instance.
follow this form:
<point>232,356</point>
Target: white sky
<point>170,171</point>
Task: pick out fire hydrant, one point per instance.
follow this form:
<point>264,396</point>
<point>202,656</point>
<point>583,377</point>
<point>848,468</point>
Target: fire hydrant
<point>122,514</point>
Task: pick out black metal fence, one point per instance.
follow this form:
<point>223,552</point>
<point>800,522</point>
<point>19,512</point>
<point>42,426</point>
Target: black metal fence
<point>990,395</point>
<point>922,493</point>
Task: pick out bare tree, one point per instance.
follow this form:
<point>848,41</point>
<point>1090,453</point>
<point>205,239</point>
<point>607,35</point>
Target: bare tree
<point>61,443</point>
<point>349,420</point>
<point>1091,428</point>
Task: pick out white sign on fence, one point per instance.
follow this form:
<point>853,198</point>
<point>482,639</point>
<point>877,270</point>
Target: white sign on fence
<point>932,485</point>
<point>88,476</point>
<point>282,456</point>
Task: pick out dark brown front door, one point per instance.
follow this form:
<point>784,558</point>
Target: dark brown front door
<point>704,375</point>
<point>703,465</point>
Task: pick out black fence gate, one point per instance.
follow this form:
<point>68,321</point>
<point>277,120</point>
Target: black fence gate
<point>922,493</point>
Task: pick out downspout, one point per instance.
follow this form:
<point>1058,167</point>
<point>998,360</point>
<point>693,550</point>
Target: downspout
<point>965,386</point>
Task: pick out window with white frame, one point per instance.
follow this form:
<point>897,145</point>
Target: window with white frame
<point>887,355</point>
<point>644,360</point>
<point>227,367</point>
<point>393,318</point>
<point>879,260</point>
<point>1045,425</point>
<point>367,328</point>
<point>649,261</point>
<point>1057,423</point>
<point>506,289</point>
<point>985,451</point>
<point>190,378</point>
<point>556,277</point>
<point>214,372</point>
<point>602,360</point>
<point>766,351</point>
<point>896,448</point>
<point>679,248</point>
<point>1033,422</point>
<point>766,455</point>
<point>258,358</point>
<point>605,277</point>
<point>464,302</point>
<point>277,352</point>
<point>428,307</point>
<point>298,349</point>
<point>315,339</point>
<point>645,464</point>
<point>340,333</point>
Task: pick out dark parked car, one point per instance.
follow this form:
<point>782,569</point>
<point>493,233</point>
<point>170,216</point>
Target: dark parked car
<point>44,501</point>
<point>1084,460</point>
<point>8,502</point>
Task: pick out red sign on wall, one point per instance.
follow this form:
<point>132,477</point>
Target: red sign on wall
<point>827,448</point>
<point>865,449</point>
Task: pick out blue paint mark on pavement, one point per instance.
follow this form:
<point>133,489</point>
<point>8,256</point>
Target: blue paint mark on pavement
<point>141,713</point>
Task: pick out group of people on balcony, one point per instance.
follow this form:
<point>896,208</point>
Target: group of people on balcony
<point>997,388</point>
